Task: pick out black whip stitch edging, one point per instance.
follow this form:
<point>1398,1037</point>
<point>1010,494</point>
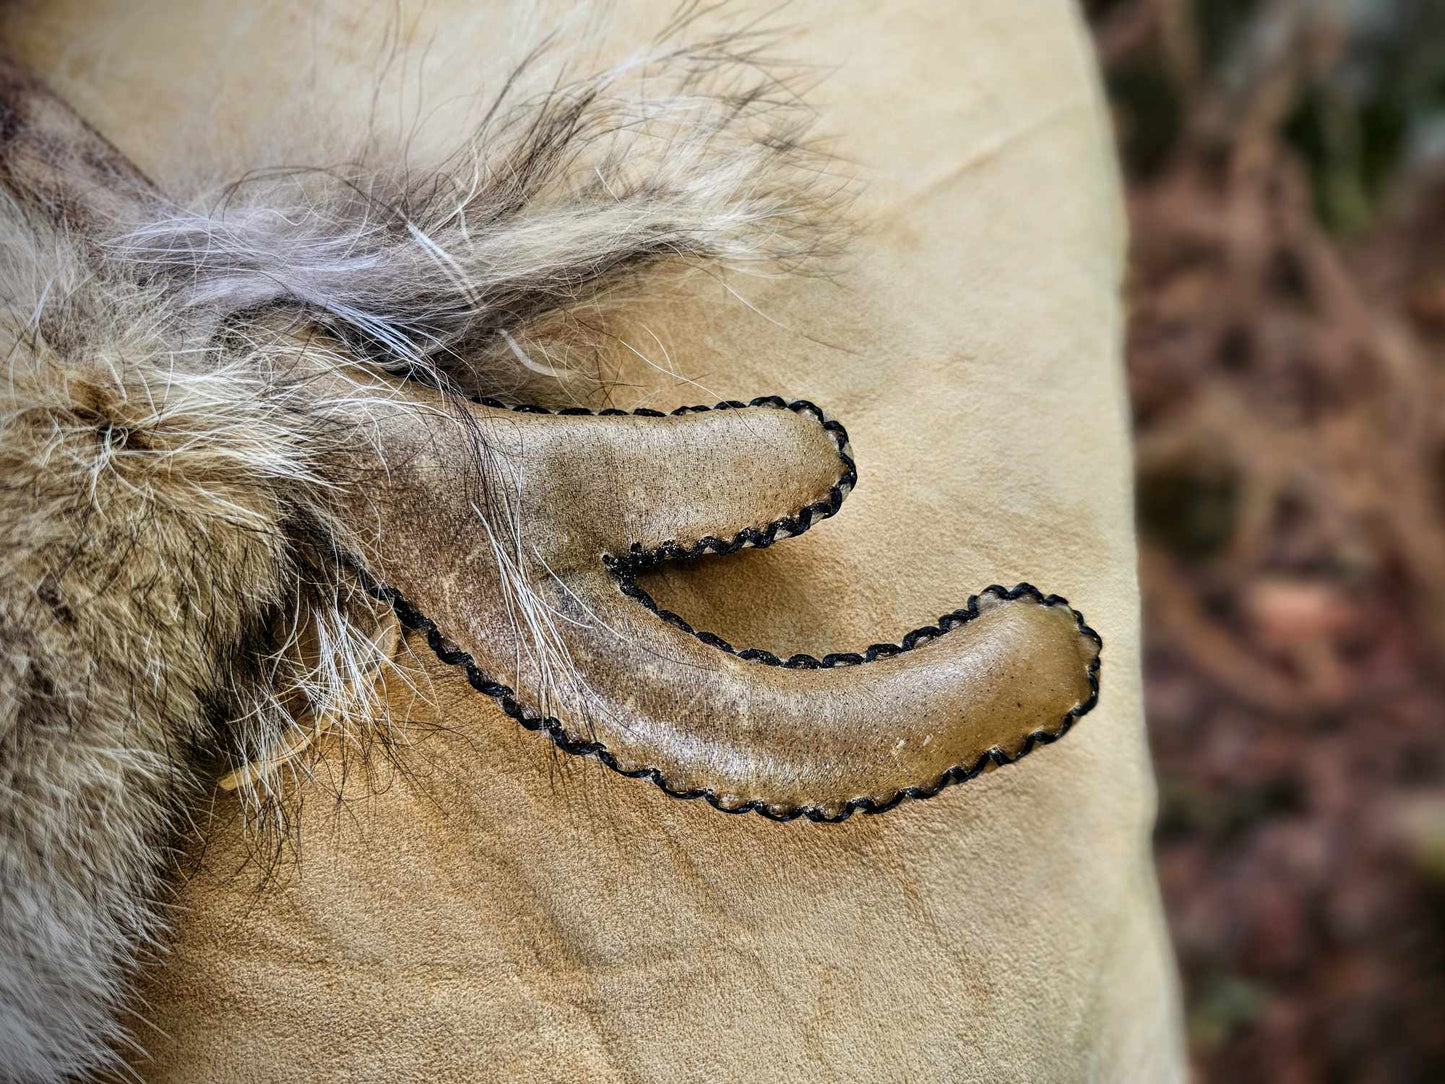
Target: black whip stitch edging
<point>625,570</point>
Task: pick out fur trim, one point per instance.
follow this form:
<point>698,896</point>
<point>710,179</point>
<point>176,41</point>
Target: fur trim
<point>170,593</point>
<point>463,273</point>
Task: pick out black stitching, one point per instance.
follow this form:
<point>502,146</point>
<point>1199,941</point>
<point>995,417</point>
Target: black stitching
<point>628,585</point>
<point>624,570</point>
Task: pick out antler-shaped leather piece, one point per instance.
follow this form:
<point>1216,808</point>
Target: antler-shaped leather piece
<point>526,580</point>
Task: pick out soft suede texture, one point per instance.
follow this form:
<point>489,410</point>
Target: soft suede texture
<point>501,911</point>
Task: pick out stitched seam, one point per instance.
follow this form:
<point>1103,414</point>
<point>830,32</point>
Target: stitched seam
<point>624,570</point>
<point>911,640</point>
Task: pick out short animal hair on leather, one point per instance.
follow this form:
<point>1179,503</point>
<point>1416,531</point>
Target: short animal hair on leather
<point>1001,741</point>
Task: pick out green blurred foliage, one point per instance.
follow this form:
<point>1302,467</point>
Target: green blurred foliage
<point>1356,121</point>
<point>1383,104</point>
<point>1220,24</point>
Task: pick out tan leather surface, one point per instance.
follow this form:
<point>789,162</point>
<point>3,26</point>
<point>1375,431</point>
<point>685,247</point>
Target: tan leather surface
<point>500,911</point>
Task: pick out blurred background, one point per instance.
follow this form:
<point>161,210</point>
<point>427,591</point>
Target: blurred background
<point>1285,162</point>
